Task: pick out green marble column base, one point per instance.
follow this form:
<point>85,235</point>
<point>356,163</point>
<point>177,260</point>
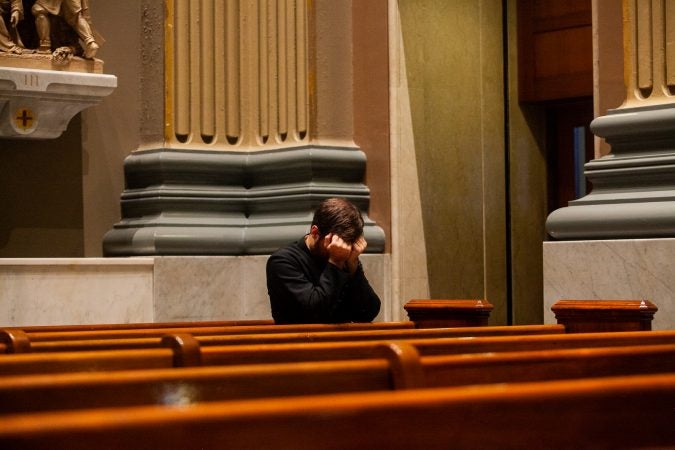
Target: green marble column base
<point>633,192</point>
<point>180,202</point>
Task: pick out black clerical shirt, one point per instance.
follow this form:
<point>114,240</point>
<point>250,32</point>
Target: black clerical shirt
<point>307,289</point>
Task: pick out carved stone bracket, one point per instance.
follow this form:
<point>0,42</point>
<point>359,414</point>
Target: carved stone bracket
<point>39,104</point>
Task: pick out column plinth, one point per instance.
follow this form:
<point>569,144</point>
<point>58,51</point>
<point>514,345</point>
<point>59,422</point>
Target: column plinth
<point>633,192</point>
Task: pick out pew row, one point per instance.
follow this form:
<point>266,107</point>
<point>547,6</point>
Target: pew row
<point>614,412</point>
<point>391,366</point>
<point>200,330</point>
<point>16,341</point>
<point>141,325</point>
<point>185,351</point>
<point>574,315</point>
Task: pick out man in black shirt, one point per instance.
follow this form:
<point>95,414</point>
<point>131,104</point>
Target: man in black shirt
<point>319,278</point>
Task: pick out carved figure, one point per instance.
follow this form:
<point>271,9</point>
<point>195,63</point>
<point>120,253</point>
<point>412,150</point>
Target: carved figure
<point>76,14</point>
<point>9,38</point>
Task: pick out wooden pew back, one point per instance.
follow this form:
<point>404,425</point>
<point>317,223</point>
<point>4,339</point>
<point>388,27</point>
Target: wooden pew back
<point>393,366</point>
<point>19,342</point>
<point>142,325</point>
<point>186,352</point>
<point>618,412</point>
<point>321,351</point>
<point>202,330</point>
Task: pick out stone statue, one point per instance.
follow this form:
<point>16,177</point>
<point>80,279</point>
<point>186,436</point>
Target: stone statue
<point>10,41</point>
<point>76,14</point>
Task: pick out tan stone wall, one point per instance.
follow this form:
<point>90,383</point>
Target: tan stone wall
<point>528,200</point>
<point>455,88</point>
<point>371,105</point>
<point>111,130</point>
<point>41,196</point>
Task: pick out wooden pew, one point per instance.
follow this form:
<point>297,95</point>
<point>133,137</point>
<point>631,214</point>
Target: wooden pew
<point>20,345</point>
<point>321,351</point>
<point>201,330</point>
<point>444,313</point>
<point>578,316</point>
<point>393,366</point>
<point>182,351</point>
<point>18,342</point>
<point>140,325</point>
<point>575,315</point>
<point>616,412</point>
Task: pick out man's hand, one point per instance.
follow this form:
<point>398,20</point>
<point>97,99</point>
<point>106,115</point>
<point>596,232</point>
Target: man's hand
<point>14,19</point>
<point>338,250</point>
<point>357,248</point>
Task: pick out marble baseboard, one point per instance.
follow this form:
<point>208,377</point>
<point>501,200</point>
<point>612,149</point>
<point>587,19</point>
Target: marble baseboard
<point>612,269</point>
<point>147,289</point>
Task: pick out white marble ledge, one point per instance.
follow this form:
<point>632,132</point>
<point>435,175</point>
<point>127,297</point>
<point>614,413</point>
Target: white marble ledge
<point>41,262</point>
<point>60,291</point>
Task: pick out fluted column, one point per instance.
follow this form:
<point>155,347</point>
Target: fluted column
<point>237,74</point>
<point>257,130</point>
<point>633,192</point>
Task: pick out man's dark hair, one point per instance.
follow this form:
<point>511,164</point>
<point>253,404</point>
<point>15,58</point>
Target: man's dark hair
<point>339,216</point>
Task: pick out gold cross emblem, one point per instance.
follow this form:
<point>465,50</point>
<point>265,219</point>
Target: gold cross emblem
<point>24,119</point>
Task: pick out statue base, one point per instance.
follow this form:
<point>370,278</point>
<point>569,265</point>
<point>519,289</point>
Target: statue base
<point>39,104</point>
<point>44,61</point>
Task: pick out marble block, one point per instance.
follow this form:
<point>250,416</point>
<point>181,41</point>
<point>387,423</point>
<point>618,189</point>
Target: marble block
<point>232,287</point>
<point>75,291</point>
<point>148,289</point>
<point>210,288</point>
<point>612,269</point>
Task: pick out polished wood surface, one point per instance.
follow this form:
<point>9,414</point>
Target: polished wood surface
<point>615,412</point>
<point>131,326</point>
<point>579,316</point>
<point>468,387</point>
<point>328,335</point>
<point>202,330</point>
<point>390,366</point>
<point>442,313</point>
<point>312,351</point>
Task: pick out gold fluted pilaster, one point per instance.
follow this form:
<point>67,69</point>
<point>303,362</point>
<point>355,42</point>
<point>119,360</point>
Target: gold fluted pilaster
<point>649,51</point>
<point>670,46</point>
<point>236,74</point>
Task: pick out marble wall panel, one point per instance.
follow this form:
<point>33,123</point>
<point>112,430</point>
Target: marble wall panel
<point>207,288</point>
<point>230,287</point>
<point>148,289</point>
<point>612,269</point>
<point>75,291</point>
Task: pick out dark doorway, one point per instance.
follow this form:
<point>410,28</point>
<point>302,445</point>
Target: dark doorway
<point>569,147</point>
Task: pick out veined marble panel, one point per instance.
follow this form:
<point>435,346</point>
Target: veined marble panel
<point>210,288</point>
<point>148,289</point>
<point>612,269</point>
<point>75,291</point>
<point>232,287</point>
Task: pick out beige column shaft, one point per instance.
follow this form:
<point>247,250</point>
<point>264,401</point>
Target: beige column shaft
<point>331,63</point>
<point>236,74</point>
<point>649,52</point>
